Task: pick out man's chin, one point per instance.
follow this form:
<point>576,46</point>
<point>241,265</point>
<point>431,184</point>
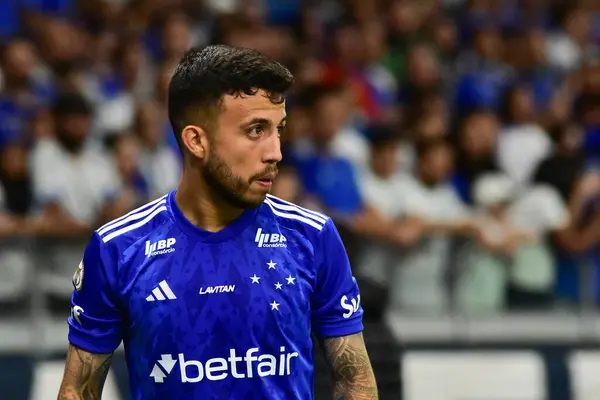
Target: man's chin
<point>256,199</point>
<point>253,198</point>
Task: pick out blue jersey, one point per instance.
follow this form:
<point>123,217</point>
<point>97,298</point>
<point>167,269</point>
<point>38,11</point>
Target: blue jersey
<point>224,315</point>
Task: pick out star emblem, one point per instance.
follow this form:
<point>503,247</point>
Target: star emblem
<point>290,280</point>
<point>271,264</point>
<point>255,279</point>
<point>274,305</point>
<point>278,286</point>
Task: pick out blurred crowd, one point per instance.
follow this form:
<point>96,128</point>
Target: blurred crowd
<point>453,141</point>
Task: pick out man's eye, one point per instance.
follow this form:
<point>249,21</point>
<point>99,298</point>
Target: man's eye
<point>256,131</point>
<point>280,130</point>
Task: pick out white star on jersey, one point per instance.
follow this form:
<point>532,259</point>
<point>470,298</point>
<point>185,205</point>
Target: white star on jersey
<point>290,280</point>
<point>278,286</point>
<point>255,279</point>
<point>274,305</point>
<point>271,264</point>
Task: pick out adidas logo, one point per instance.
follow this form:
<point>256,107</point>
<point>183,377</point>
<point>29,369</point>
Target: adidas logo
<point>269,239</point>
<point>165,294</point>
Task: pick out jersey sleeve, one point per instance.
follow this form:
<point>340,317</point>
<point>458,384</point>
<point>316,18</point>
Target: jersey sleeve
<point>335,303</point>
<point>95,324</point>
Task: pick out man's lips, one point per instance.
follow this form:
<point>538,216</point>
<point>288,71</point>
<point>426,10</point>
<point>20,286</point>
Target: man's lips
<point>267,179</point>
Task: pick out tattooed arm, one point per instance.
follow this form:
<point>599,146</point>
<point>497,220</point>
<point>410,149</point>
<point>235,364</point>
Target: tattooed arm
<point>352,372</point>
<point>84,375</point>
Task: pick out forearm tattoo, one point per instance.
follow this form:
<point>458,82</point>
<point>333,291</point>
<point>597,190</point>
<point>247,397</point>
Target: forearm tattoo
<point>85,374</point>
<point>352,372</point>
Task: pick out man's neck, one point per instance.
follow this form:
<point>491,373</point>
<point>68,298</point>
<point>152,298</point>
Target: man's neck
<point>202,207</point>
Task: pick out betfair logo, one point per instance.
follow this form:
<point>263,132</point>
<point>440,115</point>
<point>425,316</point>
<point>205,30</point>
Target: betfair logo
<point>249,365</point>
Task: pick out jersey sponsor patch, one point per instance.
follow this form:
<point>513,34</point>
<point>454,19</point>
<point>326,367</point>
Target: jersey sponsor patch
<point>76,312</point>
<point>78,277</point>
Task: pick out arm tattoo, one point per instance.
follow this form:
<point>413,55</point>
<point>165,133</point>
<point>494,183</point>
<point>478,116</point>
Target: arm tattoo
<point>85,374</point>
<point>352,372</point>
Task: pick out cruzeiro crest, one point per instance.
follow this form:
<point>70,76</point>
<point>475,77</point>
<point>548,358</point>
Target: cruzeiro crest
<point>78,277</point>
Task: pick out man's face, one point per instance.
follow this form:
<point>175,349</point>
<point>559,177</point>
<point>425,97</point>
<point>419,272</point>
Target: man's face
<point>244,151</point>
<point>72,131</point>
<point>19,61</point>
<point>384,159</point>
<point>479,134</point>
<point>437,164</point>
<point>330,116</point>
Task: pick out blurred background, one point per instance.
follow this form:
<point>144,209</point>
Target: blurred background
<point>455,142</point>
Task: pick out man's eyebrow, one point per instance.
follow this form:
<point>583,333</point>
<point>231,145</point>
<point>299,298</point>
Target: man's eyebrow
<point>263,121</point>
<point>258,121</point>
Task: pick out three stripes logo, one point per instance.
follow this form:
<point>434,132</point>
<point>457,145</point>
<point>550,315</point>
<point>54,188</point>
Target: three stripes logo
<point>165,294</point>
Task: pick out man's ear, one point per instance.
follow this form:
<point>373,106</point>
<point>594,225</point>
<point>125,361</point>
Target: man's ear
<point>195,139</point>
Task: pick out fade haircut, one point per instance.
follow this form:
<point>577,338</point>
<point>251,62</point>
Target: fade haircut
<point>204,75</point>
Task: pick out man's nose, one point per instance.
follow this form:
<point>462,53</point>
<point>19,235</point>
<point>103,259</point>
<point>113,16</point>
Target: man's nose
<point>272,152</point>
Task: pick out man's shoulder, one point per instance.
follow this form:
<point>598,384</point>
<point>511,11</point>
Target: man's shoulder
<point>303,221</point>
<point>136,224</point>
<point>46,149</point>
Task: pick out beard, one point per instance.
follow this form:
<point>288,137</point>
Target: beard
<point>70,143</point>
<point>230,187</point>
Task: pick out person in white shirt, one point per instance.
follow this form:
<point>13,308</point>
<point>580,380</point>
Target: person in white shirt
<point>418,278</point>
<point>75,185</point>
<point>485,263</point>
<point>522,143</point>
<point>511,264</point>
<point>347,142</point>
<point>159,164</point>
<point>568,47</point>
<point>381,188</point>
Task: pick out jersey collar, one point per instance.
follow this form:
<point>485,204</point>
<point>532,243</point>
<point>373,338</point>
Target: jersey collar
<point>231,230</point>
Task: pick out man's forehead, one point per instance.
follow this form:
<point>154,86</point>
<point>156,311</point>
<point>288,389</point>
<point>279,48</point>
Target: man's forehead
<point>243,105</point>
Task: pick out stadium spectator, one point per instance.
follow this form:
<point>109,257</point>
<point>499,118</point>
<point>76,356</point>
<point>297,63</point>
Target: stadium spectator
<point>477,142</point>
<point>327,175</point>
<point>484,268</point>
<point>418,281</point>
<point>23,93</point>
<point>380,184</point>
<point>133,186</point>
<point>513,264</point>
<point>15,180</point>
<point>569,46</point>
<point>522,143</point>
<point>159,163</point>
<point>73,183</point>
<point>563,168</point>
<point>538,213</point>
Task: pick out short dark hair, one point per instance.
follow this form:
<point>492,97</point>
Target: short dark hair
<point>71,103</point>
<point>312,95</point>
<point>382,135</point>
<point>204,75</point>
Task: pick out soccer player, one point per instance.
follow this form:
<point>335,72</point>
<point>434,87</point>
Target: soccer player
<point>216,288</point>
